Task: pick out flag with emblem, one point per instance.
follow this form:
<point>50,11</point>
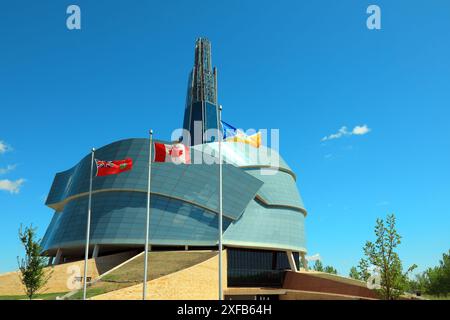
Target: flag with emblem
<point>231,134</point>
<point>106,168</point>
<point>176,153</point>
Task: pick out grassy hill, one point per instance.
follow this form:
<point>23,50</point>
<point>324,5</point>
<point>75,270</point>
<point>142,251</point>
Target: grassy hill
<point>160,264</point>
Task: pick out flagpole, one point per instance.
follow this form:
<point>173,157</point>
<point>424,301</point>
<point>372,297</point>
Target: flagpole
<point>88,228</point>
<point>220,205</point>
<point>147,224</point>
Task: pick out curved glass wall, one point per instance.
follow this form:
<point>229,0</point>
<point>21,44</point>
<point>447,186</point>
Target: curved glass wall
<point>119,218</point>
<point>260,211</point>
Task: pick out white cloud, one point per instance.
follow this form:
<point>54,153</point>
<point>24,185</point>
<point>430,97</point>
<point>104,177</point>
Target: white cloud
<point>3,147</point>
<point>11,186</point>
<point>9,168</point>
<point>5,184</point>
<point>313,257</point>
<point>343,131</point>
<point>361,130</point>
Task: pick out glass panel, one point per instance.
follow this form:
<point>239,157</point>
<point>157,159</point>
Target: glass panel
<point>197,115</point>
<point>249,268</point>
<point>211,122</point>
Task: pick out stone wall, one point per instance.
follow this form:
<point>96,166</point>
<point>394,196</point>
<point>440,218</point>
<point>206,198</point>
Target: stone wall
<point>327,284</point>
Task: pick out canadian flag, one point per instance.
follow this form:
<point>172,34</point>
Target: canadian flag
<point>176,153</point>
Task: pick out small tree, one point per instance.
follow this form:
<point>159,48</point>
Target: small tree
<point>32,273</point>
<point>363,267</point>
<point>354,274</point>
<point>330,269</point>
<point>318,266</point>
<point>382,254</point>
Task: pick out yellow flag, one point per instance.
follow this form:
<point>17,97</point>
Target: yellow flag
<point>253,140</point>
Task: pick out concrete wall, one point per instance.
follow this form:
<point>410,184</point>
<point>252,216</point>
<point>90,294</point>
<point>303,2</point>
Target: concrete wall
<point>326,284</point>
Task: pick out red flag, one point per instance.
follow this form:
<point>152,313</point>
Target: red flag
<point>176,153</point>
<point>105,168</point>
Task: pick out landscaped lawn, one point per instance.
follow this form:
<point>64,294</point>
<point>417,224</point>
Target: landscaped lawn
<point>160,264</point>
<point>42,296</point>
<point>430,297</point>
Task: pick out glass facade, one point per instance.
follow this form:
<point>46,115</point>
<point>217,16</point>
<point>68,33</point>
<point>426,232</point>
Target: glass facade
<point>119,201</point>
<point>196,183</point>
<point>119,218</point>
<point>187,115</point>
<point>267,227</point>
<point>260,211</point>
<point>278,189</point>
<point>196,122</point>
<point>257,268</point>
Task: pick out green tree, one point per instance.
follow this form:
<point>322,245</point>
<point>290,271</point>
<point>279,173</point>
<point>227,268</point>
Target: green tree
<point>354,274</point>
<point>330,269</point>
<point>418,284</point>
<point>318,266</point>
<point>382,254</point>
<point>32,273</point>
<point>438,278</point>
<point>363,268</point>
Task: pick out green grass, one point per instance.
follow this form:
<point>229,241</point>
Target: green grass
<point>42,296</point>
<point>90,293</point>
<point>431,297</point>
<point>160,264</point>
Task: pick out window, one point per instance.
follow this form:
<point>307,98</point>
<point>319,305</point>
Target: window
<point>249,268</point>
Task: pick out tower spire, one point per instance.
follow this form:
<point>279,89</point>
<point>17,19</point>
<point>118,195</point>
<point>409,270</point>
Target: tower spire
<point>201,102</point>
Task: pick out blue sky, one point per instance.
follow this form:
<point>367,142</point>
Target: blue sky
<point>307,68</point>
